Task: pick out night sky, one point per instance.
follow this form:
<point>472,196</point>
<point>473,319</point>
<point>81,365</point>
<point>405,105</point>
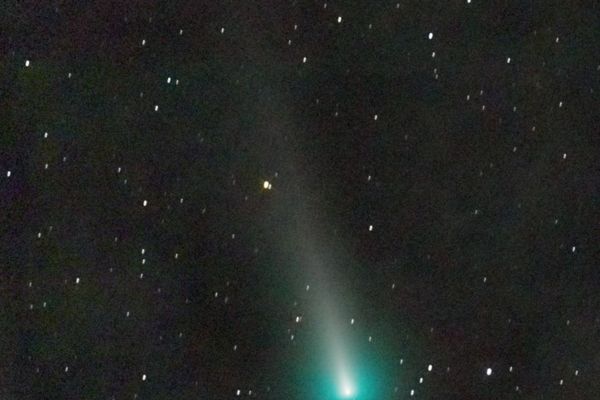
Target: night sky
<point>299,200</point>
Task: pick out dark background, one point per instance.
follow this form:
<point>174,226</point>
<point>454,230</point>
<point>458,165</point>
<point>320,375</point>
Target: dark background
<point>484,250</point>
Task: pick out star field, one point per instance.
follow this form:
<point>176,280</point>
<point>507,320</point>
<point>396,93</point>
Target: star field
<point>299,200</point>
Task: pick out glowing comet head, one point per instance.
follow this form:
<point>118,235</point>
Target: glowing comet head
<point>347,389</point>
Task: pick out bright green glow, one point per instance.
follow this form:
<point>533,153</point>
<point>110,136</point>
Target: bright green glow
<point>356,373</point>
<point>347,389</point>
<point>341,361</point>
<point>364,377</point>
<point>345,366</point>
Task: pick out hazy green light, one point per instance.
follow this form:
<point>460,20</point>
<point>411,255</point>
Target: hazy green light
<point>347,388</point>
<point>347,391</point>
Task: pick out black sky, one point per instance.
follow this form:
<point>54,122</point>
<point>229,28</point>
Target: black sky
<point>440,159</point>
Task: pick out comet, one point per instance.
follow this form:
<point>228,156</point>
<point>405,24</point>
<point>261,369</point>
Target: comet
<point>328,306</point>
